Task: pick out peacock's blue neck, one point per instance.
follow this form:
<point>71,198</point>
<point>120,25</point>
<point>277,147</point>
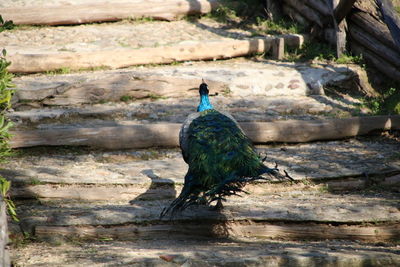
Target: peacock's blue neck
<point>204,103</point>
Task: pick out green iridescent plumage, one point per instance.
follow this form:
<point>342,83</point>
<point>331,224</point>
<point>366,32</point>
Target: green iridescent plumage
<point>221,160</point>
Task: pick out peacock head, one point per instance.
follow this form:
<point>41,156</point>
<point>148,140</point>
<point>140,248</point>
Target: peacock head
<point>203,89</point>
<point>204,101</point>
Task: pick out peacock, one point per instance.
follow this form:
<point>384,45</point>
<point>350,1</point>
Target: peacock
<point>220,156</point>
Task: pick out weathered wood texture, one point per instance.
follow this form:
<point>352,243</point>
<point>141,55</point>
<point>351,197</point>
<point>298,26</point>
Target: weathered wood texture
<point>383,66</point>
<point>209,50</point>
<point>372,39</point>
<point>253,213</point>
<point>166,134</point>
<point>370,36</point>
<point>228,229</point>
<point>106,11</point>
<point>321,6</point>
<point>374,27</point>
<point>391,18</point>
<point>4,253</point>
<point>306,11</point>
<point>294,15</point>
<point>342,9</point>
<point>278,49</point>
<point>373,44</point>
<point>375,38</point>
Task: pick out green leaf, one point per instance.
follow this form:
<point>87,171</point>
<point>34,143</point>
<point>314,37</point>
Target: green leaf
<point>4,52</point>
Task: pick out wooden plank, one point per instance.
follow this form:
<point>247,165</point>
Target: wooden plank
<point>204,50</point>
<point>228,229</point>
<point>278,49</point>
<point>106,11</point>
<point>166,134</point>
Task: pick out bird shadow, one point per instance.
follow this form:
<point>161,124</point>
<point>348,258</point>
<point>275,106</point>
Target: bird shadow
<point>160,188</point>
<point>189,222</point>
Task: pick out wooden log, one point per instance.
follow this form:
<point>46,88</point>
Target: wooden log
<point>134,136</point>
<point>381,65</point>
<point>357,184</point>
<point>374,45</point>
<point>294,15</point>
<point>306,11</point>
<point>322,6</point>
<point>166,134</point>
<point>391,18</point>
<point>204,50</point>
<point>106,11</point>
<point>227,229</point>
<point>374,27</point>
<point>342,9</point>
<point>340,31</point>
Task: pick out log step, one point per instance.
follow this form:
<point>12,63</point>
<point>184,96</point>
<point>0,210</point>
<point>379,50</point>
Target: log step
<point>236,78</point>
<point>73,12</point>
<point>176,110</point>
<point>118,46</point>
<point>160,167</point>
<point>234,230</point>
<point>128,135</point>
<point>168,253</point>
<point>252,215</point>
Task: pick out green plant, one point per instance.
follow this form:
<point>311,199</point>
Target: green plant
<point>156,97</point>
<point>35,181</point>
<point>63,70</point>
<point>4,188</point>
<point>5,103</point>
<point>388,102</point>
<point>140,20</point>
<point>126,98</point>
<point>277,27</point>
<point>5,100</point>
<point>347,59</point>
<point>6,25</point>
<point>223,14</point>
<point>310,51</point>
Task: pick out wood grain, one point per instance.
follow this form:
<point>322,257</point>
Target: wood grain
<point>166,134</point>
<point>106,11</point>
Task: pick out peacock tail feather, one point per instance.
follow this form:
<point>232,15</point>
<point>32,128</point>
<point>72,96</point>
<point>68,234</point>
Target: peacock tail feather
<point>221,161</point>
